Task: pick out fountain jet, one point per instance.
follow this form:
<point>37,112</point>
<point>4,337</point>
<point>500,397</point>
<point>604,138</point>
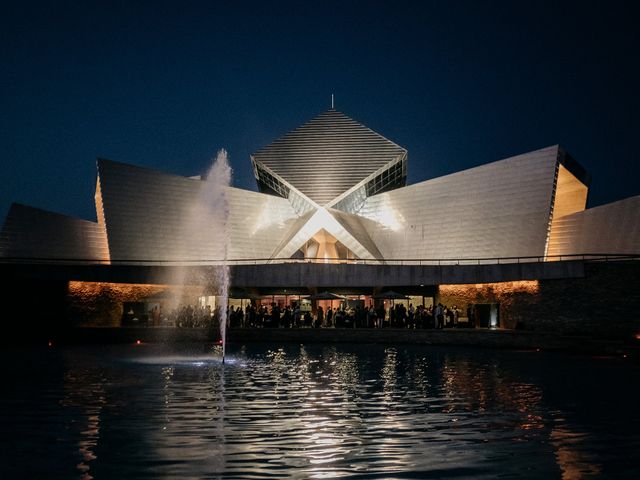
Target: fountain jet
<point>214,201</point>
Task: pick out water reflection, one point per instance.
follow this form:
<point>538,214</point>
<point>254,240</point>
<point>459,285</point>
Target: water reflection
<point>335,411</point>
<point>84,394</point>
<point>572,455</point>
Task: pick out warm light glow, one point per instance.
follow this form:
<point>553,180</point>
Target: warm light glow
<point>511,296</point>
<point>637,336</point>
<point>323,223</point>
<point>50,343</point>
<point>526,286</point>
<point>83,297</point>
<point>388,216</point>
<point>138,342</point>
<point>104,243</point>
<point>573,455</point>
<point>570,197</point>
<point>126,288</point>
<point>266,221</point>
<point>322,220</point>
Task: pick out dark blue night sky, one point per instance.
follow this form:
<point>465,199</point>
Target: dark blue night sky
<point>166,84</point>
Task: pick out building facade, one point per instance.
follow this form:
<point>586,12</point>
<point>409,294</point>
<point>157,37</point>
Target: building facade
<point>352,226</point>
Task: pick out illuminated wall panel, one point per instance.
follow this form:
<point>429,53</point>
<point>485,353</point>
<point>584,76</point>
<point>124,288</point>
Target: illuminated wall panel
<point>155,216</point>
<point>30,233</point>
<point>610,228</point>
<point>496,210</point>
<point>100,215</point>
<point>570,197</point>
<point>257,223</point>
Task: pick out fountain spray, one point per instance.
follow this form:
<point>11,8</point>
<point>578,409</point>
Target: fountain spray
<point>214,196</point>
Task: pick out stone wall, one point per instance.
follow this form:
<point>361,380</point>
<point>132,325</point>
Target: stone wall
<point>99,304</point>
<point>606,302</point>
<point>515,298</point>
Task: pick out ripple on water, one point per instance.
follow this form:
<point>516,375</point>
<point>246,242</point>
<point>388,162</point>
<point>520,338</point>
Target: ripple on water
<point>322,412</point>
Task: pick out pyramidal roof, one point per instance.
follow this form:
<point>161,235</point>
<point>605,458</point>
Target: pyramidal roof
<point>328,155</point>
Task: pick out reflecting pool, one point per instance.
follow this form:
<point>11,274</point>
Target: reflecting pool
<point>316,411</point>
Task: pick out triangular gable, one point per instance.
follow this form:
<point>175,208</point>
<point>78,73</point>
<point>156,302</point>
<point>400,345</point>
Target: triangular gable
<point>354,225</point>
<point>322,219</point>
<point>291,233</point>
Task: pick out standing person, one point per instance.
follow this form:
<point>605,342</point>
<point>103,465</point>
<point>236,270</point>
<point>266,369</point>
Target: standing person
<point>439,314</point>
<point>329,316</point>
<point>371,317</point>
<point>252,315</point>
<point>420,316</point>
<point>319,316</point>
<point>382,316</point>
<point>286,317</point>
<point>296,317</point>
<point>275,316</point>
<point>412,316</point>
<point>155,316</point>
<point>402,316</point>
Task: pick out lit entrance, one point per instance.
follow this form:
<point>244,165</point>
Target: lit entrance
<point>487,315</point>
<point>325,248</point>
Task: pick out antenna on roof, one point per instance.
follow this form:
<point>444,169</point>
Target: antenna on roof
<point>332,101</point>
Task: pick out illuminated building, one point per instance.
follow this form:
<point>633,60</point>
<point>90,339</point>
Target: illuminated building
<point>333,191</point>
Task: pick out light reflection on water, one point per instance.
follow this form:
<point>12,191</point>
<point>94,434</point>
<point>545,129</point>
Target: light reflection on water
<point>315,412</point>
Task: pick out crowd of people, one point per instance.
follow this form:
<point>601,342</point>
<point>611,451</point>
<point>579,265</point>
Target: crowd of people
<point>347,315</point>
<point>397,316</point>
<point>274,316</point>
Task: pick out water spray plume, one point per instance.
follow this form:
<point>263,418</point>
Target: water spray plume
<point>205,237</point>
<point>214,198</point>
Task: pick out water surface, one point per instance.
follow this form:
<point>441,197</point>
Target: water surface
<point>316,411</point>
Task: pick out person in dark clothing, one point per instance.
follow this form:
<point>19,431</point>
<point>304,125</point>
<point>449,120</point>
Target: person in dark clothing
<point>319,317</point>
<point>439,314</point>
<point>286,317</point>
